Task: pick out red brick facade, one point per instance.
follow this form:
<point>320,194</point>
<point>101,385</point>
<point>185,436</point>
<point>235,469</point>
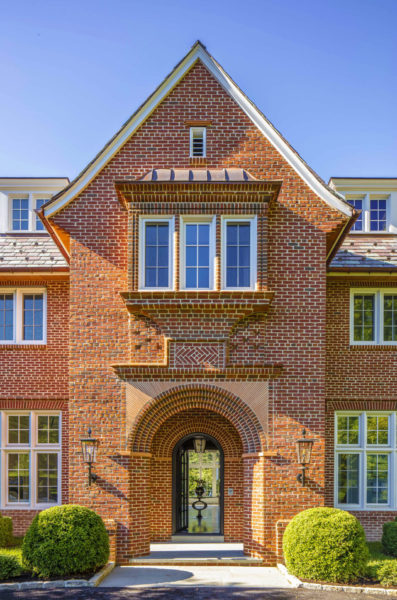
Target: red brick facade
<point>147,368</point>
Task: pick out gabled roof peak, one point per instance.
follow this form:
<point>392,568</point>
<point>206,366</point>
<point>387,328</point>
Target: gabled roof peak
<point>198,52</point>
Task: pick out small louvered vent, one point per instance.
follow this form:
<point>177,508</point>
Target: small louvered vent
<point>197,141</point>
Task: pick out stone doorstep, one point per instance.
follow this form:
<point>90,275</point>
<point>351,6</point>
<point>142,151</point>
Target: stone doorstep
<point>325,587</point>
<point>60,583</point>
<point>197,562</point>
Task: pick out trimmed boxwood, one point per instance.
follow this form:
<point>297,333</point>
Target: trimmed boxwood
<point>389,537</point>
<point>5,531</point>
<point>9,566</point>
<point>65,540</point>
<point>325,544</point>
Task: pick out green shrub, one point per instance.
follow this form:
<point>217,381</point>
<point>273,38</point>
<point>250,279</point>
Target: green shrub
<point>325,544</point>
<point>389,538</point>
<point>5,531</point>
<point>9,566</point>
<point>65,540</point>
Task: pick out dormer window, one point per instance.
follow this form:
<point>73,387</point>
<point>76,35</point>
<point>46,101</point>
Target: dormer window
<point>197,142</point>
<point>22,216</point>
<point>374,217</point>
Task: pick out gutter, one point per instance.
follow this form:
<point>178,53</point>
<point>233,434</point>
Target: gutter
<point>343,233</point>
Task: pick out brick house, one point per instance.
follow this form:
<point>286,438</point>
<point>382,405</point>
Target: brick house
<point>198,285</point>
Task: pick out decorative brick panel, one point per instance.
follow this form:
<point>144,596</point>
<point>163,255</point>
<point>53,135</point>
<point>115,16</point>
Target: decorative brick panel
<point>198,355</point>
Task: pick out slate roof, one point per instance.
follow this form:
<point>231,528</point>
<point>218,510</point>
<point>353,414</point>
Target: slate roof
<point>30,252</point>
<point>367,252</point>
<point>195,175</point>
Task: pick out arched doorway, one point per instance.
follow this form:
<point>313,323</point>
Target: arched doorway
<point>198,486</point>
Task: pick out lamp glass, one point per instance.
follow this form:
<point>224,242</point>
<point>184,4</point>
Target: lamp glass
<point>304,450</point>
<point>199,444</point>
<point>89,447</point>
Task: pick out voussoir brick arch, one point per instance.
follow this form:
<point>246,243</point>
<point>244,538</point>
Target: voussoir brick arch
<point>190,397</point>
<point>197,421</point>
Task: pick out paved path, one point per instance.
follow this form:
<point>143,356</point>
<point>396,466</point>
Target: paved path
<point>182,593</point>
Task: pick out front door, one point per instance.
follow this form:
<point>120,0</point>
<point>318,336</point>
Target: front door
<point>198,486</point>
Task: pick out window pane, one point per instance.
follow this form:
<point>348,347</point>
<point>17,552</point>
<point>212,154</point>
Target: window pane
<point>197,254</point>
<point>156,255</point>
<point>48,429</point>
<point>348,478</point>
<point>377,479</point>
<point>39,223</point>
<point>358,205</point>
<point>6,317</point>
<point>390,318</point>
<point>18,429</point>
<point>18,478</point>
<point>47,478</point>
<point>33,317</point>
<point>377,215</point>
<point>364,317</point>
<point>20,214</point>
<point>377,429</point>
<point>197,141</point>
<point>238,254</point>
<point>348,429</point>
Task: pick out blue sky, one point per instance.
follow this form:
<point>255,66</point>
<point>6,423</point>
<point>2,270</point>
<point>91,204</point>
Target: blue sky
<point>323,71</point>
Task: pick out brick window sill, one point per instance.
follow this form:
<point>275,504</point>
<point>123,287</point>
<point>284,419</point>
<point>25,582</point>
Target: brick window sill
<point>371,347</point>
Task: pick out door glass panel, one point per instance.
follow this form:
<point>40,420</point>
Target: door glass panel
<point>204,470</point>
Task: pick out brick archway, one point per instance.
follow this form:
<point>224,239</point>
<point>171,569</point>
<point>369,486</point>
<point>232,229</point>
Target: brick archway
<point>207,397</point>
<point>158,428</point>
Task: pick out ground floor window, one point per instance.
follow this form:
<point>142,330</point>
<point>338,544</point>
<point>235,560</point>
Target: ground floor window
<point>30,458</point>
<point>366,460</point>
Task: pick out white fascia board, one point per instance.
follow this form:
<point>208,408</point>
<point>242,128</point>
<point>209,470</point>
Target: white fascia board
<point>199,52</point>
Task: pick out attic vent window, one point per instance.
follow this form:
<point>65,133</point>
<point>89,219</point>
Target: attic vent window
<point>197,142</point>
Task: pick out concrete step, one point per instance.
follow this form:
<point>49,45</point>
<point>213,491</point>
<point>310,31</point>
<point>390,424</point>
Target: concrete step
<point>196,553</point>
<point>198,561</point>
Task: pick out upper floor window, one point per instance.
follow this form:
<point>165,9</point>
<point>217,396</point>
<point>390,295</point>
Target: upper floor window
<point>374,217</point>
<point>198,137</point>
<point>22,316</point>
<point>30,458</point>
<point>156,237</point>
<point>22,216</point>
<point>39,223</point>
<point>373,316</point>
<point>239,252</point>
<point>197,252</point>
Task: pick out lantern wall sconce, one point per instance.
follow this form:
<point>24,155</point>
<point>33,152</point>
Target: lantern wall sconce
<point>199,444</point>
<point>304,452</point>
<point>89,448</point>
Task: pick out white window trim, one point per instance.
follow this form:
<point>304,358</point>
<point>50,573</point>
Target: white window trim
<point>171,244</point>
<point>18,294</point>
<point>211,220</point>
<point>33,449</point>
<point>379,294</point>
<point>366,198</point>
<point>32,197</point>
<point>253,250</point>
<point>204,131</point>
<point>363,450</point>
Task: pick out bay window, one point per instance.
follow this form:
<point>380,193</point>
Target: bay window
<point>30,457</point>
<point>373,316</point>
<point>365,460</point>
<point>239,253</point>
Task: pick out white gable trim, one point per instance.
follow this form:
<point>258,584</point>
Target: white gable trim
<point>198,52</point>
